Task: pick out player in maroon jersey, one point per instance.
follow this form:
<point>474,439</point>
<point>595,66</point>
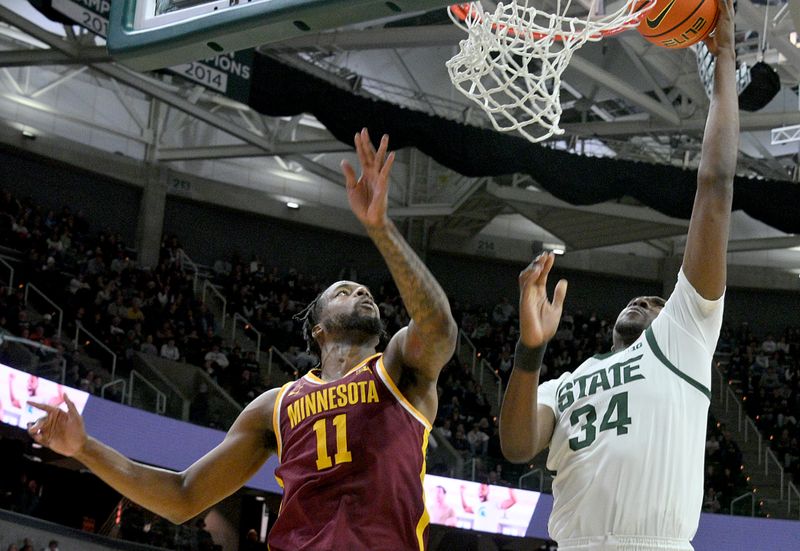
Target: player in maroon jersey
<point>351,435</point>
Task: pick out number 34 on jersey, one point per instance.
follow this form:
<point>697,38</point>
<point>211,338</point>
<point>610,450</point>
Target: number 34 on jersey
<point>613,417</point>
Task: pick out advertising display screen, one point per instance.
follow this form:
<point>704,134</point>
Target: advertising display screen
<point>482,507</point>
<point>18,387</point>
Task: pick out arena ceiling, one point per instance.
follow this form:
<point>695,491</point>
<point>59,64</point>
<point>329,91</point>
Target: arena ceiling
<point>623,98</point>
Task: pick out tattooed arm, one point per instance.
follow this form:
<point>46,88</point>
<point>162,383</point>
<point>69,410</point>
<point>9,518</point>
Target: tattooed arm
<point>425,346</point>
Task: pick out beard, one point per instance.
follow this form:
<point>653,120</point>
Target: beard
<point>630,329</point>
<point>355,322</point>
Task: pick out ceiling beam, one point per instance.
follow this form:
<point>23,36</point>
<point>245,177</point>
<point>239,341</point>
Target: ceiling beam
<point>747,122</point>
<point>421,211</point>
<point>154,89</point>
<point>625,90</point>
<point>450,35</point>
<point>764,244</point>
<point>753,15</point>
<point>237,151</point>
<point>27,58</point>
<point>371,39</point>
<point>30,28</point>
<point>759,244</point>
<point>543,198</point>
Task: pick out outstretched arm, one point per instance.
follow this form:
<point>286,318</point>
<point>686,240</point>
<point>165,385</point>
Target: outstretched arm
<point>175,496</point>
<point>511,501</point>
<point>14,400</point>
<point>707,244</point>
<point>428,342</point>
<point>525,426</point>
<point>464,505</point>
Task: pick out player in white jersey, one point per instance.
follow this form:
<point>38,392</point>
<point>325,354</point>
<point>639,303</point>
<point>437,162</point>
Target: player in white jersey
<point>626,430</point>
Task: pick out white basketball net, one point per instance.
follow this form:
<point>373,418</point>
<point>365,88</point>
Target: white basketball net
<point>511,61</point>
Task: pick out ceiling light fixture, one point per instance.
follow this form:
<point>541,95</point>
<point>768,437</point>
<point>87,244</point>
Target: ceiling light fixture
<point>292,205</point>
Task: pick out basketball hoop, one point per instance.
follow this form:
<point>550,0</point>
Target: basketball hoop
<point>512,60</point>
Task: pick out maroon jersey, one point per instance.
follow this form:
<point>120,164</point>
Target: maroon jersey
<point>352,460</point>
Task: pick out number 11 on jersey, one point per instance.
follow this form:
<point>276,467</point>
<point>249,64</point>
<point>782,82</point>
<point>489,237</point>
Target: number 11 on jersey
<point>342,453</point>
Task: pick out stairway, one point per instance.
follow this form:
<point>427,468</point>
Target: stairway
<point>760,463</point>
<point>231,327</point>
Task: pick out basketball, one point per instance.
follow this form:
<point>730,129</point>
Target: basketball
<point>679,23</point>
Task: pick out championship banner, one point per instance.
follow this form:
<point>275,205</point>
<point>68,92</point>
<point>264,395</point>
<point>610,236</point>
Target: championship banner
<point>17,388</point>
<point>227,74</point>
<point>92,14</point>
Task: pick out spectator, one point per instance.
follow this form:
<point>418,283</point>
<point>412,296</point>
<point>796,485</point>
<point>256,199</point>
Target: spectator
<point>769,346</point>
<point>170,351</point>
<point>460,442</point>
<point>478,440</point>
<point>148,347</point>
<point>503,312</point>
<point>217,356</point>
<point>251,542</point>
<point>711,502</point>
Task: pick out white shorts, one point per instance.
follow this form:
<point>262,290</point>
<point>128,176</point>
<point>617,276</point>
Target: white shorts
<point>612,542</point>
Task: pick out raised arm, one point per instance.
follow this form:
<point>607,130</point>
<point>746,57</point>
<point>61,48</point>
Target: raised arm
<point>704,261</point>
<point>525,426</point>
<point>428,342</point>
<point>464,505</point>
<point>175,496</point>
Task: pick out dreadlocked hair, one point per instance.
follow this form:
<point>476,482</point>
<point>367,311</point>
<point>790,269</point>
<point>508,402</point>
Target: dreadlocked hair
<point>310,317</point>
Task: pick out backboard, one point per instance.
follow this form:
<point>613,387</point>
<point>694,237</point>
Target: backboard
<point>152,34</point>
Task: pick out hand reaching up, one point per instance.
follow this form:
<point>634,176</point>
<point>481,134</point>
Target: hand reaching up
<point>368,195</point>
<point>538,316</point>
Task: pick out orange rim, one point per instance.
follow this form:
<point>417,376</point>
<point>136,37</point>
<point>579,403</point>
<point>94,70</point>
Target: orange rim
<point>465,10</point>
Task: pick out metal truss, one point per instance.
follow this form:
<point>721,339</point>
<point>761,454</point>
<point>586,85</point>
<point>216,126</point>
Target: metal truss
<point>785,134</point>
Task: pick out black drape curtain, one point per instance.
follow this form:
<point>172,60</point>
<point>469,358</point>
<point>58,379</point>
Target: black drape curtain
<point>281,90</point>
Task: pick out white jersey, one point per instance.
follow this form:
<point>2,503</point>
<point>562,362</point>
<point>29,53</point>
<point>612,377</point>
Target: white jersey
<point>629,439</point>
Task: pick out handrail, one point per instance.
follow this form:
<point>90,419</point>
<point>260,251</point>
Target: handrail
<point>78,328</point>
<point>61,368</point>
<point>185,259</point>
<point>486,366</point>
<point>31,287</point>
<point>455,461</point>
<point>738,405</point>
<point>721,379</point>
<point>161,398</point>
<point>473,468</point>
<point>752,497</point>
<point>276,352</point>
<point>28,342</point>
<point>540,472</point>
<point>116,382</point>
<point>10,274</point>
<point>247,325</point>
<point>749,422</point>
<point>463,336</point>
<point>767,455</point>
<point>791,488</point>
<point>208,285</point>
<point>153,370</point>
